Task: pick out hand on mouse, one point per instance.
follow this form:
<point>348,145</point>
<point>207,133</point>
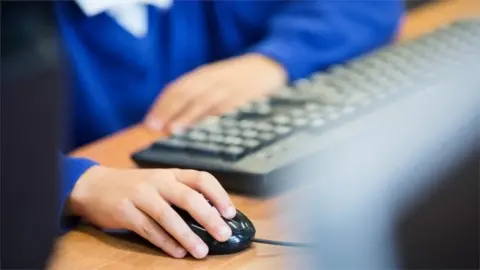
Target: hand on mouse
<point>140,199</point>
<point>214,89</point>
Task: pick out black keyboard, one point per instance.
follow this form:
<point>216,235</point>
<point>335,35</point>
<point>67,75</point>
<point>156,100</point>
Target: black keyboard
<point>251,149</point>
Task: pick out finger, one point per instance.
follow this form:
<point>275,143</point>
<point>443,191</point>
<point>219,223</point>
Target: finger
<point>147,228</point>
<point>246,94</point>
<point>198,207</point>
<point>231,103</point>
<point>199,107</point>
<point>177,96</point>
<point>209,186</point>
<point>159,210</point>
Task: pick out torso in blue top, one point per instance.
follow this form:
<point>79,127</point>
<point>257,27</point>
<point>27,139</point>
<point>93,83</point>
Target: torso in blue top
<point>117,76</point>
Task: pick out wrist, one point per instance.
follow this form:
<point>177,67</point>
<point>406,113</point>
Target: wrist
<point>81,190</point>
<point>270,67</point>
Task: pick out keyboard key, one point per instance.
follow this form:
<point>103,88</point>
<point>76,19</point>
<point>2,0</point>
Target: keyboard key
<point>212,129</point>
<point>197,136</point>
<point>231,140</point>
<point>296,113</point>
<point>245,108</point>
<point>204,148</point>
<point>211,120</point>
<point>170,144</point>
<point>330,95</point>
<point>233,152</point>
<point>216,138</point>
<point>266,136</point>
<point>230,115</point>
<point>316,124</point>
<point>210,124</point>
<point>321,78</point>
<point>250,133</point>
<point>259,110</point>
<point>282,130</point>
<point>180,133</point>
<point>289,98</point>
<point>247,124</point>
<point>300,122</point>
<point>251,144</point>
<point>281,120</point>
<point>316,115</point>
<point>312,107</point>
<point>233,132</point>
<point>302,84</point>
<point>262,108</point>
<point>264,126</point>
<point>229,122</point>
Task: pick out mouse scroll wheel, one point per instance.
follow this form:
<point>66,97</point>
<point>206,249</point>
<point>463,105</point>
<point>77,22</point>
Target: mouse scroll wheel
<point>234,225</point>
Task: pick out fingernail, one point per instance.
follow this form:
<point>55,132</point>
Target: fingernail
<point>200,251</point>
<point>180,252</point>
<point>154,124</point>
<point>224,232</point>
<point>229,212</point>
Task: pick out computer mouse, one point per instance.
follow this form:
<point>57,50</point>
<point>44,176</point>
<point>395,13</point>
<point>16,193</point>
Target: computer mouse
<point>243,233</point>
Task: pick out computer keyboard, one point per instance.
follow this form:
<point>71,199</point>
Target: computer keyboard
<point>251,149</point>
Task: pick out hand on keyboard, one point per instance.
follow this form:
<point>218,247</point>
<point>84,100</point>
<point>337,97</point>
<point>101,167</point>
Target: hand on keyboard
<point>253,149</point>
<point>140,200</point>
<point>214,89</point>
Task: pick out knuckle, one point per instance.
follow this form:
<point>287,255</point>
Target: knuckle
<point>161,213</point>
<point>148,231</point>
<point>161,176</point>
<point>145,228</point>
<point>141,189</point>
<point>204,179</point>
<point>167,176</point>
<point>124,210</point>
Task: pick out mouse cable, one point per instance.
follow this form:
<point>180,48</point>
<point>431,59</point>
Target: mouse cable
<point>281,243</point>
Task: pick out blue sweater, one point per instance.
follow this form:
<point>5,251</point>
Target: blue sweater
<point>116,77</point>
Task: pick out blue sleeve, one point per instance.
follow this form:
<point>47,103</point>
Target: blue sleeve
<point>72,169</point>
<point>307,36</point>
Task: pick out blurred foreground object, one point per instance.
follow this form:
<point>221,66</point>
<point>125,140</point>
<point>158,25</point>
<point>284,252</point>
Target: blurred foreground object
<point>401,192</point>
<point>30,103</point>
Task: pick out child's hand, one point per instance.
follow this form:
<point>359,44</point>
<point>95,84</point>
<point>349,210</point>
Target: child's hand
<point>214,89</point>
<point>139,200</point>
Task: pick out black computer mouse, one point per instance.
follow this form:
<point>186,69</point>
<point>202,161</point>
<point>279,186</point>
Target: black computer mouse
<point>243,233</point>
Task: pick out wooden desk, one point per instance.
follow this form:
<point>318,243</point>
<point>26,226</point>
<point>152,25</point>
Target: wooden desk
<point>88,248</point>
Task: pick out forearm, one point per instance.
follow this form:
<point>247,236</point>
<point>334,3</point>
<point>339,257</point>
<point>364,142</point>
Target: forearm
<point>307,36</point>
